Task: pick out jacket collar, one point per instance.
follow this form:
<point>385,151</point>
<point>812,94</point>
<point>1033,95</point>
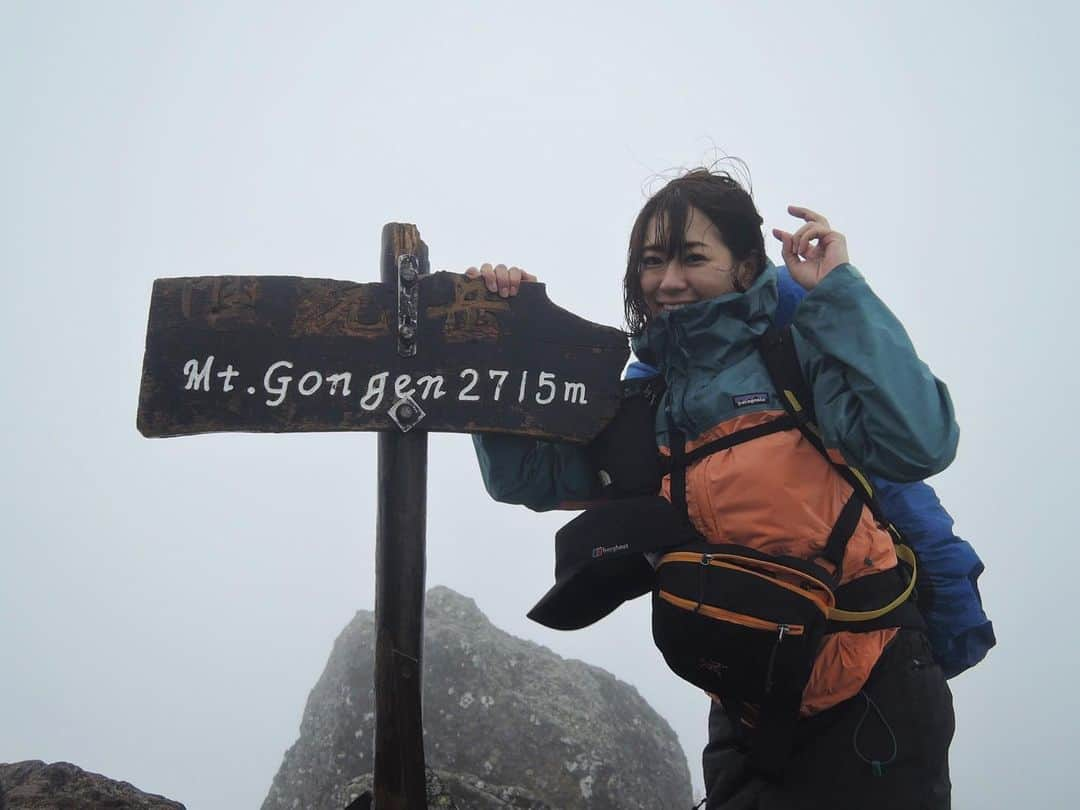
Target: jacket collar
<point>711,334</point>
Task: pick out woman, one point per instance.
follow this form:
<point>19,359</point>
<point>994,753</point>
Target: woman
<point>699,294</point>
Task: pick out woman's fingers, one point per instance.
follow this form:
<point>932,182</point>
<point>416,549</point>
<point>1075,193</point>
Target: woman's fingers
<point>815,231</point>
<point>786,246</point>
<point>805,213</point>
<point>502,280</point>
<point>796,239</point>
<point>814,250</point>
<point>816,226</point>
<point>506,281</point>
<point>516,277</point>
<point>485,271</point>
<point>806,234</point>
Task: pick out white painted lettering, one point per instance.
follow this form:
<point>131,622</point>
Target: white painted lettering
<point>344,377</point>
<point>309,383</point>
<point>282,386</point>
<point>465,396</point>
<point>501,375</point>
<point>277,382</point>
<point>197,376</point>
<point>400,384</point>
<point>574,392</point>
<point>546,381</point>
<point>428,382</point>
<point>228,374</point>
<point>376,387</point>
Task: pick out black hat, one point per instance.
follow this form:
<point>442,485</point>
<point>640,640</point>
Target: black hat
<point>600,559</point>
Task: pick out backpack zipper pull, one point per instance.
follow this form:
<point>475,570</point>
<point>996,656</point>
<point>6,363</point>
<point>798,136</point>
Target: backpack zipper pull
<point>781,631</point>
<point>705,560</point>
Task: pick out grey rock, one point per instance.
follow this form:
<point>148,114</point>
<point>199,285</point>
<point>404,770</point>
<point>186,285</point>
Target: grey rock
<point>437,794</point>
<point>35,785</point>
<point>442,787</point>
<point>507,724</point>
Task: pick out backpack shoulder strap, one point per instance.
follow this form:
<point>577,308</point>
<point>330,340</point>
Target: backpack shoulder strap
<point>782,362</point>
<point>778,350</point>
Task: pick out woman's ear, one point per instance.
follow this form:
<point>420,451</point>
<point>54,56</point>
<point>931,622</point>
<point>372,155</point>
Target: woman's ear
<point>745,273</point>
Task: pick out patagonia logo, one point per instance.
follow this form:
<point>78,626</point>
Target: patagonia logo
<point>743,400</point>
<point>600,551</point>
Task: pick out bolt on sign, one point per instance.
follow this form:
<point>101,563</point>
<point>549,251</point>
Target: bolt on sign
<point>411,353</point>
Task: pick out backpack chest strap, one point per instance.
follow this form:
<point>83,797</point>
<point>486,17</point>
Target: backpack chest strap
<point>680,458</point>
<point>846,522</point>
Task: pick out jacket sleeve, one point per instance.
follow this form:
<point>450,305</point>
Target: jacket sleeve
<point>876,401</point>
<point>540,475</point>
<point>959,631</point>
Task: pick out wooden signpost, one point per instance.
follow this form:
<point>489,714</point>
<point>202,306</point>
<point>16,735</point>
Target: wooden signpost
<point>412,353</point>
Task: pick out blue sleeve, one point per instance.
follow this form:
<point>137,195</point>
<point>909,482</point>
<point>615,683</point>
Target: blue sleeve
<point>639,370</point>
<point>958,628</point>
<point>790,294</point>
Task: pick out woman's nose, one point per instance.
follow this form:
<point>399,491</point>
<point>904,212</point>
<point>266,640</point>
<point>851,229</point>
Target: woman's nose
<point>673,278</point>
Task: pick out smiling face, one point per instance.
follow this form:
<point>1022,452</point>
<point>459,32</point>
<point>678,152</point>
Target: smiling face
<point>677,272</point>
<point>686,242</point>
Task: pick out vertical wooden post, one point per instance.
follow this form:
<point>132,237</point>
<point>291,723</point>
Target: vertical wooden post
<point>400,561</point>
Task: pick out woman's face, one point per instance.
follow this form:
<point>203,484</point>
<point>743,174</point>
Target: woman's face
<point>705,269</point>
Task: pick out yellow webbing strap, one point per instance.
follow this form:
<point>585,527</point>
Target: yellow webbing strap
<point>907,555</point>
<point>798,408</point>
<point>902,552</point>
<point>862,480</point>
<point>794,400</point>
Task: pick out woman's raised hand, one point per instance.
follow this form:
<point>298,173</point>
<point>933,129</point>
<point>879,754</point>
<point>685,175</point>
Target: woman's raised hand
<point>813,251</point>
<point>500,278</point>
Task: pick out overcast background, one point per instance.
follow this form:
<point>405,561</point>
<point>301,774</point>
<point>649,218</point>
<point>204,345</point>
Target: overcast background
<point>166,605</point>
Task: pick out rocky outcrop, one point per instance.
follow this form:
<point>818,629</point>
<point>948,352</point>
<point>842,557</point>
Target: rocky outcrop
<point>507,724</point>
<point>445,791</point>
<point>35,785</point>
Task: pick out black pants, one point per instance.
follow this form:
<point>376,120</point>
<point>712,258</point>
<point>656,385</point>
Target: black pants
<point>906,698</point>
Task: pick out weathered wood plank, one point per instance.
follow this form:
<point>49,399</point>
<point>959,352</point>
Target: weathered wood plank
<point>283,354</point>
<point>400,566</point>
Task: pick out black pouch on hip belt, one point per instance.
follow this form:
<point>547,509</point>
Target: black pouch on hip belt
<point>745,627</point>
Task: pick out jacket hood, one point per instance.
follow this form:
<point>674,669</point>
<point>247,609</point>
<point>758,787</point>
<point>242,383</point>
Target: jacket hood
<point>709,334</point>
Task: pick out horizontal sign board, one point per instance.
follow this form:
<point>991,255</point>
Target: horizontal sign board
<point>281,353</point>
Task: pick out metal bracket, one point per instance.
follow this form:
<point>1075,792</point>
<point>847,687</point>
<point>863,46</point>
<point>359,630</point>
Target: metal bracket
<point>406,413</point>
<point>408,274</point>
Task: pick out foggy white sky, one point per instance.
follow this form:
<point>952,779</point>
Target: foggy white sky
<point>166,605</point>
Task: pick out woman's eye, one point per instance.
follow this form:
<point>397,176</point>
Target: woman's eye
<point>695,258</point>
<point>651,262</point>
